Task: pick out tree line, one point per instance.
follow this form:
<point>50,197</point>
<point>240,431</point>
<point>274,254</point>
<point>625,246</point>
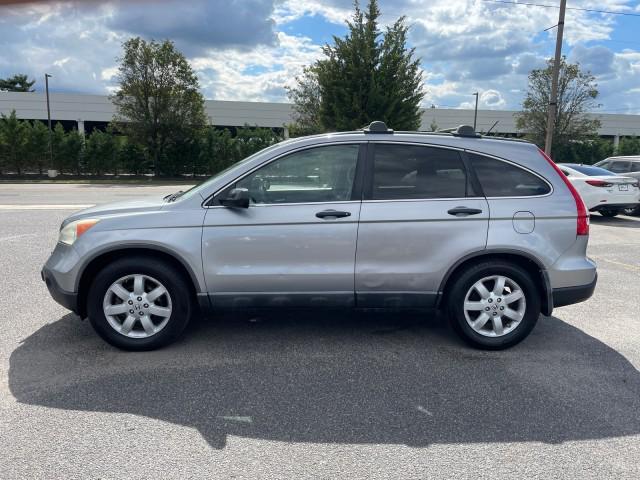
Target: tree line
<point>24,149</point>
<point>368,74</point>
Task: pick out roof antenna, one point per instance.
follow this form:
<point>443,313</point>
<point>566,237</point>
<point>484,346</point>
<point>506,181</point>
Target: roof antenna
<point>489,131</point>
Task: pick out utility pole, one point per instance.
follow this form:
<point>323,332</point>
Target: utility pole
<point>52,172</point>
<point>475,113</point>
<point>553,100</point>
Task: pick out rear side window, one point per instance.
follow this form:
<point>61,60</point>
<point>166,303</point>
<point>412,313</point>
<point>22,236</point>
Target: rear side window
<point>502,179</point>
<point>635,166</point>
<point>416,172</point>
<point>619,167</point>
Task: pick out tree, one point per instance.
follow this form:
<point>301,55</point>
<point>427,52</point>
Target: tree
<point>158,101</point>
<point>131,157</point>
<point>577,92</point>
<point>365,76</point>
<point>13,141</point>
<point>38,146</point>
<point>217,150</point>
<point>72,150</point>
<point>17,83</point>
<point>101,152</point>
<point>57,145</point>
<point>251,140</point>
<point>629,146</point>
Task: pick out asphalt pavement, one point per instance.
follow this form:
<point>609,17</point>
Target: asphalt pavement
<point>312,394</point>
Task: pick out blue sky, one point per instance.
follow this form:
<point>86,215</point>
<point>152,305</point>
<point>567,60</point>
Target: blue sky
<point>252,49</point>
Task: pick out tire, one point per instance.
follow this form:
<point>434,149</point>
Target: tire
<point>631,211</point>
<point>463,290</point>
<point>174,306</point>
<point>609,213</point>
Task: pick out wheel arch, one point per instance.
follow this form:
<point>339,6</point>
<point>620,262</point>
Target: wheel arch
<point>103,258</point>
<point>526,261</point>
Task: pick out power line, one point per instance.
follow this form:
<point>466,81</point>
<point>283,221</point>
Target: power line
<point>591,10</point>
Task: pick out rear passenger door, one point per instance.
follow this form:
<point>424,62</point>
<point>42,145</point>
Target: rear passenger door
<point>420,214</point>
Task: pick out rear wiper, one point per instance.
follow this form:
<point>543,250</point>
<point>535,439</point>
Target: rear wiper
<point>173,196</point>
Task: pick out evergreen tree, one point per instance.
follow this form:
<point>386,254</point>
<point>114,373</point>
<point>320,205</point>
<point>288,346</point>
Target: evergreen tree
<point>72,150</point>
<point>38,146</point>
<point>17,83</point>
<point>367,75</point>
<point>13,142</point>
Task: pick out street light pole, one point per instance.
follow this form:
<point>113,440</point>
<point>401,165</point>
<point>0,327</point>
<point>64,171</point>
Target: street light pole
<point>52,172</point>
<point>475,113</point>
<point>553,100</point>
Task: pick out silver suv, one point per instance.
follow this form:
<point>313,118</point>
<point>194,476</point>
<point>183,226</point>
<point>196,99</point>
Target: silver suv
<point>486,228</point>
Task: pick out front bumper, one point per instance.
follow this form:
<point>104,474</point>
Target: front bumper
<point>570,295</point>
<point>68,300</point>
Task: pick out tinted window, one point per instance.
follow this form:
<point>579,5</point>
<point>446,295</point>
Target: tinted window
<point>635,166</point>
<point>619,167</point>
<point>410,171</point>
<point>502,179</point>
<point>322,174</point>
<point>592,171</point>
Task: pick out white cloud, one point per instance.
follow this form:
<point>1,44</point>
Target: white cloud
<point>465,45</point>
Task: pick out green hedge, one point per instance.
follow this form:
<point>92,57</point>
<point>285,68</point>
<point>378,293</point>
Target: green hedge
<point>24,149</point>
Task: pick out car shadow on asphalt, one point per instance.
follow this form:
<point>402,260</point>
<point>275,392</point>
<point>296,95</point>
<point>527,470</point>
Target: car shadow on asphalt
<point>625,222</point>
<point>340,378</point>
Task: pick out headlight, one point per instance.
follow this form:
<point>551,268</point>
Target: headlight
<point>74,230</point>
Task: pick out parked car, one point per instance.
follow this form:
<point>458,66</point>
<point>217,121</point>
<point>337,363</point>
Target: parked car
<point>488,229</point>
<point>629,166</point>
<point>603,191</point>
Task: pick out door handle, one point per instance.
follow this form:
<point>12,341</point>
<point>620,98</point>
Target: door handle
<point>464,211</point>
<point>332,214</point>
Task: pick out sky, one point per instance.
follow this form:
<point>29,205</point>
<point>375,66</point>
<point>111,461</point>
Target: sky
<point>249,50</point>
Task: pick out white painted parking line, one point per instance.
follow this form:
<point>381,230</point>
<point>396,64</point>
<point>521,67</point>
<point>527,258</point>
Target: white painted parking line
<point>45,207</point>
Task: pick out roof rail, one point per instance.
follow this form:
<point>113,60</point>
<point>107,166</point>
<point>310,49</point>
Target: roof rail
<point>377,127</point>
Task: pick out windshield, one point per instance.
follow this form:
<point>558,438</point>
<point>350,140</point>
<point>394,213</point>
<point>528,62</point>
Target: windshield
<point>204,186</point>
<point>592,171</point>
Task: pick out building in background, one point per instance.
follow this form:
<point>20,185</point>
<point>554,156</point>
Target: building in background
<point>86,112</point>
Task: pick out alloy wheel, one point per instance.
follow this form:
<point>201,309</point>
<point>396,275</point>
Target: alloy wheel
<point>494,306</point>
<point>137,306</point>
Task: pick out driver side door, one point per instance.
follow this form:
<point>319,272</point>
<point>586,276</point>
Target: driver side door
<point>295,245</point>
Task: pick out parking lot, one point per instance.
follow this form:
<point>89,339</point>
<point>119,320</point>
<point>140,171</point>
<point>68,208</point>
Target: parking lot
<point>312,394</point>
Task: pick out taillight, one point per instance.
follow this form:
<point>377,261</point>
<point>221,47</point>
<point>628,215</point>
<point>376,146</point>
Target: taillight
<point>582,222</point>
<point>599,183</point>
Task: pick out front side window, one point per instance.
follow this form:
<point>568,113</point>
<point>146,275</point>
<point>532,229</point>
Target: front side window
<point>502,179</point>
<point>320,174</point>
<point>416,172</point>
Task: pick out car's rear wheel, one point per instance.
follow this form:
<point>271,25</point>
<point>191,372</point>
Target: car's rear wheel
<point>493,305</point>
<point>609,213</point>
<point>139,303</point>
<point>631,210</point>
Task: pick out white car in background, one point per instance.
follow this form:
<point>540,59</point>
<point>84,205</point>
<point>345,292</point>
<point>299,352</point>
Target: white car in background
<point>603,191</point>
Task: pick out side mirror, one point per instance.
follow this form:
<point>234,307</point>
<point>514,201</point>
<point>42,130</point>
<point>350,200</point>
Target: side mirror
<point>237,198</point>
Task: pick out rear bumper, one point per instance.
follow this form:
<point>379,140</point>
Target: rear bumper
<point>68,300</point>
<point>570,295</point>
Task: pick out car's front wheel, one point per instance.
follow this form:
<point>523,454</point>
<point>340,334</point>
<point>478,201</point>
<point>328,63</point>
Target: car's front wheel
<point>139,303</point>
<point>493,305</point>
